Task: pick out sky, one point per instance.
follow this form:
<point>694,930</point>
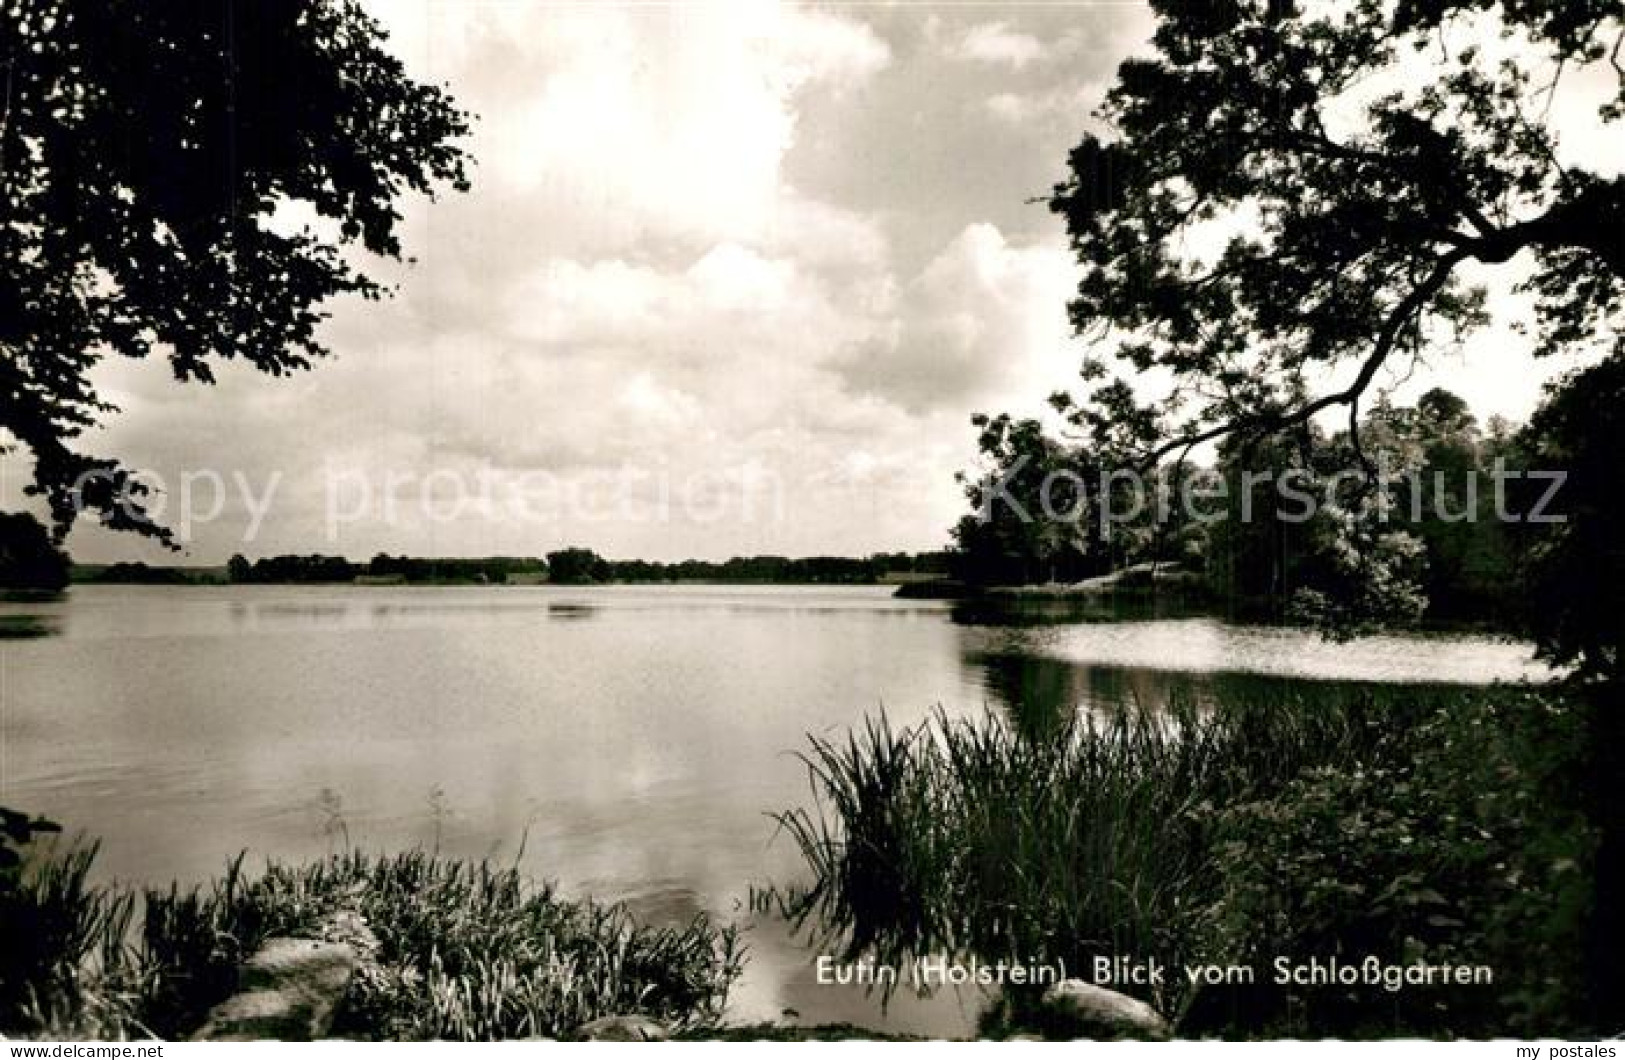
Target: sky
<point>731,279</point>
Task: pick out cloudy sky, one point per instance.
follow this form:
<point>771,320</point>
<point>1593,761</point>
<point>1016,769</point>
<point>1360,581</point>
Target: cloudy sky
<point>732,279</point>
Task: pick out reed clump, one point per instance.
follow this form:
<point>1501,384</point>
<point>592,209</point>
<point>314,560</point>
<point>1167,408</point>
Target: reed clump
<point>1357,821</point>
<point>466,950</point>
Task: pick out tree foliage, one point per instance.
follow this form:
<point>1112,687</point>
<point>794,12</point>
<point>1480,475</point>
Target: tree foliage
<point>1308,535</point>
<point>1578,565</point>
<point>28,559</point>
<point>1017,532</point>
<point>1291,198</point>
<point>576,566</point>
<point>150,155</point>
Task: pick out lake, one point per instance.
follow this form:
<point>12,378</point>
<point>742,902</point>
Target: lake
<point>627,742</point>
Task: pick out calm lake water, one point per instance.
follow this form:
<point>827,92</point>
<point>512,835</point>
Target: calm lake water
<point>633,738</point>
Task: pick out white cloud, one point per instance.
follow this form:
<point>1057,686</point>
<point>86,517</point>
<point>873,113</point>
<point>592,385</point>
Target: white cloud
<point>984,321</point>
<point>666,406</point>
<point>731,278</point>
<point>668,120</point>
<point>728,298</point>
<point>1068,103</point>
<point>996,42</point>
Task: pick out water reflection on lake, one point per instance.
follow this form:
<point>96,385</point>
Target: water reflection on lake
<point>633,738</point>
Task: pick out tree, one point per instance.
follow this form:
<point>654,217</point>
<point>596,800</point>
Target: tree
<point>148,152</point>
<point>28,560</point>
<point>1031,518</point>
<point>1449,501</point>
<point>238,569</point>
<point>576,566</point>
<point>1290,199</point>
<point>1578,564</point>
<point>1359,195</point>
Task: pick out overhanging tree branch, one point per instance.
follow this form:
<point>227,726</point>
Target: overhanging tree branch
<point>1393,327</point>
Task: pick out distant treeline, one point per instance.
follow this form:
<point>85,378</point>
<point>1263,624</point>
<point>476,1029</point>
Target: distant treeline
<point>142,574</point>
<point>573,566</point>
<point>439,570</point>
<point>570,566</point>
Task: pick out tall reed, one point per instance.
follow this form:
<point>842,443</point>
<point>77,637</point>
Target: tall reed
<point>466,950</point>
<point>1090,838</point>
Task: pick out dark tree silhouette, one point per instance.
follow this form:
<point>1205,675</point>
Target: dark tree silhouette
<point>28,559</point>
<point>576,566</point>
<point>1577,566</point>
<point>1367,156</point>
<point>144,149</point>
<point>1360,192</point>
<point>1009,539</point>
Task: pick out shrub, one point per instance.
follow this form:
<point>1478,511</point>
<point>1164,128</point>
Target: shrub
<point>1459,844</point>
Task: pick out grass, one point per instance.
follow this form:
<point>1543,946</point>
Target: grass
<point>466,951</point>
<point>1416,825</point>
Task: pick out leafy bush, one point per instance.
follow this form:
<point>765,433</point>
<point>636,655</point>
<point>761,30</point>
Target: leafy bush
<point>1458,843</point>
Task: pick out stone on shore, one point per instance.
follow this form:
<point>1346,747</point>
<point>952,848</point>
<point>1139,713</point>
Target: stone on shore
<point>1087,1010</point>
<point>289,991</point>
<point>621,1029</point>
